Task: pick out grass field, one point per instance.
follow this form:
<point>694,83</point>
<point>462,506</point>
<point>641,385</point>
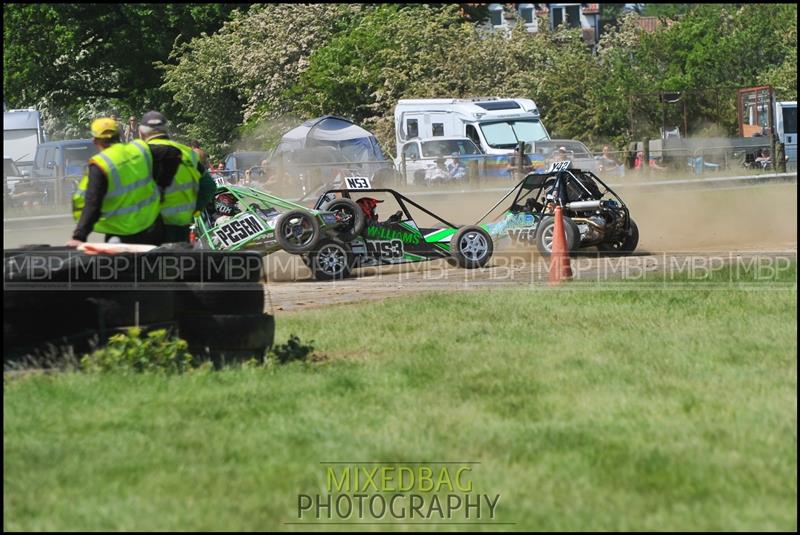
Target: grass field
<point>587,408</point>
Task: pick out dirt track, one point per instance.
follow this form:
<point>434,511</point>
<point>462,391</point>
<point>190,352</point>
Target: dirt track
<point>708,226</point>
<point>680,231</point>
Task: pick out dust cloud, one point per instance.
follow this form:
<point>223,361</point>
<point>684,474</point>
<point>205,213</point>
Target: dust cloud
<point>756,217</point>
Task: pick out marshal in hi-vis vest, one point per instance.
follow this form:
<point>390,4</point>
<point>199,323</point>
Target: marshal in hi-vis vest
<point>179,199</point>
<point>131,203</point>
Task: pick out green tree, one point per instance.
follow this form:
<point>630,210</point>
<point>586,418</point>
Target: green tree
<point>276,64</point>
<point>231,83</point>
<point>66,57</point>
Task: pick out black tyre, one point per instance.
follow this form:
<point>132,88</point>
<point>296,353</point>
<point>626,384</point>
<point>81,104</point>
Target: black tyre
<point>471,247</point>
<point>231,331</point>
<point>41,315</point>
<point>354,216</point>
<point>55,352</point>
<point>196,299</point>
<point>625,243</point>
<point>331,260</point>
<point>297,231</point>
<point>544,234</point>
<point>123,308</point>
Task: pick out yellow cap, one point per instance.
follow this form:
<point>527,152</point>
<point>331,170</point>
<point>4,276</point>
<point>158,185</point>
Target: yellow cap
<point>104,127</point>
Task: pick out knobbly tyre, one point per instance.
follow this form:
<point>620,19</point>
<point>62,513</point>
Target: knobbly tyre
<point>396,240</point>
<point>246,218</point>
<point>594,215</point>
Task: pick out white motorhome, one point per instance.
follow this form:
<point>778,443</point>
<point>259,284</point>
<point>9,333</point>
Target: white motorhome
<point>786,129</point>
<point>22,134</point>
<point>496,125</point>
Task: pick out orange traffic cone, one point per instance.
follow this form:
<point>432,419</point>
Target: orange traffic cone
<point>559,261</point>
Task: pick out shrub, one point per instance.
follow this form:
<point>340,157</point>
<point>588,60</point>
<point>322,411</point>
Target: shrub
<point>292,350</point>
<point>155,352</point>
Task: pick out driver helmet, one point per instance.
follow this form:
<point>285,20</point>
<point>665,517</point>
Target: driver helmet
<point>225,204</point>
<point>368,206</point>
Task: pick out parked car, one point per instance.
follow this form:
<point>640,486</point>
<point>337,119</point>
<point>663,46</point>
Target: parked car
<point>420,156</point>
<point>59,165</point>
<point>576,152</point>
<point>18,188</point>
<point>11,173</point>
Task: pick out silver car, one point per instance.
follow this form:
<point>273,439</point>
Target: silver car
<point>573,150</point>
<point>423,157</point>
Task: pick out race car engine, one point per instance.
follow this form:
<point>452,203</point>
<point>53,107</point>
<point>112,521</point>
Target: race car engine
<point>592,229</point>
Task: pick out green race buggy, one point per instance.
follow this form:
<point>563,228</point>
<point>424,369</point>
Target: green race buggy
<point>242,217</point>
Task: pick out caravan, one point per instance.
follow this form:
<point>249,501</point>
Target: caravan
<point>786,130</point>
<point>495,125</point>
<point>22,134</point>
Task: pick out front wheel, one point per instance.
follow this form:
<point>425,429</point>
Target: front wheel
<point>297,231</point>
<point>545,233</point>
<point>331,260</point>
<point>352,217</point>
<point>622,243</point>
<point>471,247</point>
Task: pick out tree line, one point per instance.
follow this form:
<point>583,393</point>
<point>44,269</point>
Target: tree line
<point>225,73</point>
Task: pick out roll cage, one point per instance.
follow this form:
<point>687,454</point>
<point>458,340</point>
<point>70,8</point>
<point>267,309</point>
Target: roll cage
<point>564,184</point>
<point>401,201</point>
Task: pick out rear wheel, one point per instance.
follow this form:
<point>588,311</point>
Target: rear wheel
<point>545,232</point>
<point>331,260</point>
<point>471,247</point>
<point>297,232</point>
<point>623,243</point>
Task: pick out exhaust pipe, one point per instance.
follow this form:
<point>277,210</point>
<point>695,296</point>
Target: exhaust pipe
<point>584,205</point>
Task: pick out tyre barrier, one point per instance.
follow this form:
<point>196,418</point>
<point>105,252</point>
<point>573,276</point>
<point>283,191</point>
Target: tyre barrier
<point>58,297</point>
<point>224,338</point>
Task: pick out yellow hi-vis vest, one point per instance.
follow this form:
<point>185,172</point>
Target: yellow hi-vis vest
<point>131,202</point>
<point>179,199</point>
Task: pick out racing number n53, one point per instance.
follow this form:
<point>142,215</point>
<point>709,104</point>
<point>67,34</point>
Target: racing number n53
<point>389,249</point>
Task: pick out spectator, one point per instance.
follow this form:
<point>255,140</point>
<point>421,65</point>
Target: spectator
<point>217,174</point>
<point>200,152</point>
<point>652,163</point>
<point>764,159</point>
<point>607,162</point>
<point>131,131</point>
<point>456,169</point>
<point>438,174</point>
<point>559,155</point>
<point>527,166</point>
<point>637,164</point>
